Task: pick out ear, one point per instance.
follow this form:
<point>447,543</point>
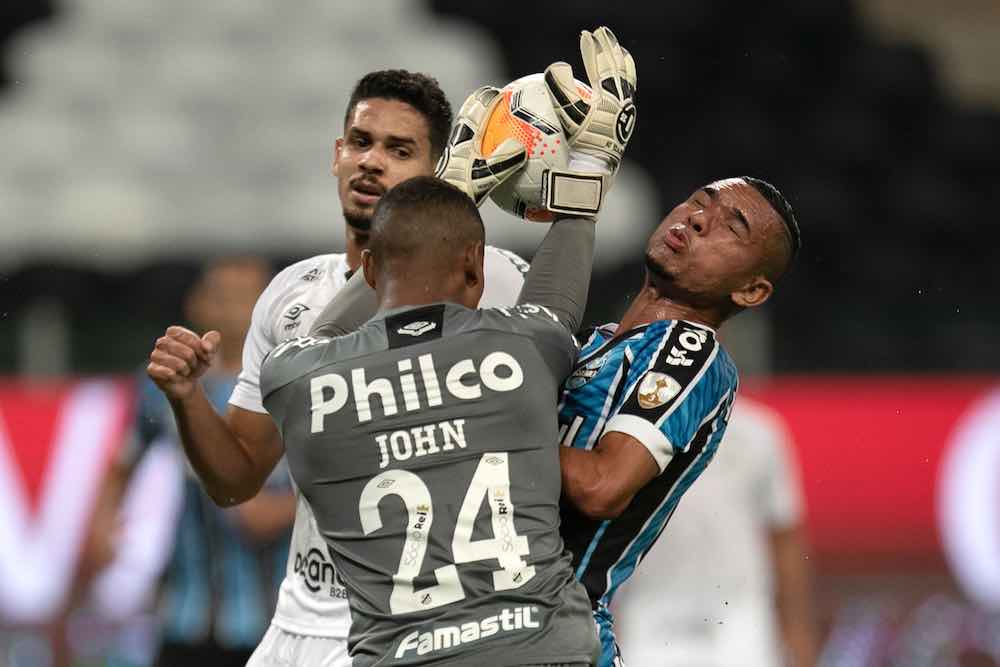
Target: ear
<point>754,293</point>
<point>475,255</point>
<point>368,267</point>
<point>337,146</point>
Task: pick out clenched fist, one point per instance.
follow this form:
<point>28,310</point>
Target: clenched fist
<point>179,358</point>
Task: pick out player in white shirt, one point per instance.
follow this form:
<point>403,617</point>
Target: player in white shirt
<point>396,126</point>
<point>728,584</point>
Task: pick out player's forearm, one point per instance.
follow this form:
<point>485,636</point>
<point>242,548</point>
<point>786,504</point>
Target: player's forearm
<point>559,277</point>
<point>222,462</point>
<point>354,305</point>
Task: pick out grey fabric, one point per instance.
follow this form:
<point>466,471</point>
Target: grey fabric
<point>559,278</point>
<point>354,305</point>
<point>425,422</point>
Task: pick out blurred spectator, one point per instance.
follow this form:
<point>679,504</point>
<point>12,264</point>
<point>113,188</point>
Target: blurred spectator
<point>222,581</point>
<point>728,585</point>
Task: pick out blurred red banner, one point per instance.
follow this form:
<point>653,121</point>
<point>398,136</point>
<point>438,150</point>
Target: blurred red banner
<point>871,451</point>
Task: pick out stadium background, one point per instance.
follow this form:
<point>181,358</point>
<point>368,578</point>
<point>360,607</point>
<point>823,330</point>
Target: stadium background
<point>141,137</point>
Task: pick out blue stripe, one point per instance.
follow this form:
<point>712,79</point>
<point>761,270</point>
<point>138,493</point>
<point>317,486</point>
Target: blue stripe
<point>590,549</point>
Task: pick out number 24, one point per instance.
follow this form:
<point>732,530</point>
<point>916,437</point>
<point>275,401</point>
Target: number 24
<point>492,480</point>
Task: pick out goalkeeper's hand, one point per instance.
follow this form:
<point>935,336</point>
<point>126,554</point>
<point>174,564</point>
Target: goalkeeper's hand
<point>601,125</point>
<point>463,165</point>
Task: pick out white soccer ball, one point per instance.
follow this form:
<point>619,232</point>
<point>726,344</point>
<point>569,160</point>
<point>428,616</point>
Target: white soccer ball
<point>525,113</point>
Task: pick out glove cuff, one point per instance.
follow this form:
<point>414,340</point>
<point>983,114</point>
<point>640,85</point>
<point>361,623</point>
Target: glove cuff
<point>573,192</point>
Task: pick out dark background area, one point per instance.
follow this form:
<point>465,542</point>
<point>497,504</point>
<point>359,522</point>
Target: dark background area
<point>895,185</point>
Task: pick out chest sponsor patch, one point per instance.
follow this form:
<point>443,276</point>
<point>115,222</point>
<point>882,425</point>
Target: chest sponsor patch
<point>656,389</point>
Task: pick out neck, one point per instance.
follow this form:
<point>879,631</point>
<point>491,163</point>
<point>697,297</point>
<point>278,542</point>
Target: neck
<point>357,241</point>
<point>412,293</point>
<point>651,304</point>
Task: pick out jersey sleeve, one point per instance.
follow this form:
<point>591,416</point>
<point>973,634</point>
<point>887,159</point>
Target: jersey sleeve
<point>259,341</point>
<point>679,382</point>
<point>504,277</point>
<point>780,491</point>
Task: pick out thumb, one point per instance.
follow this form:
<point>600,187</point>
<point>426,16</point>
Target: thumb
<point>211,341</point>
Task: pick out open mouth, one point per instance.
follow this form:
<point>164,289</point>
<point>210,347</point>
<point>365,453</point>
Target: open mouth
<point>676,238</point>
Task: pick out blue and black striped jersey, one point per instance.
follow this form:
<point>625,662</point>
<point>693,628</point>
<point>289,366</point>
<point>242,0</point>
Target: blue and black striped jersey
<point>668,384</point>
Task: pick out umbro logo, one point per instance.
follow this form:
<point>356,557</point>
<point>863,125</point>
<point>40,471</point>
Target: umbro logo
<point>416,328</point>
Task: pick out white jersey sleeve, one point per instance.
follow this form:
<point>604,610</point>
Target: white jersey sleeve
<point>284,310</point>
<point>504,272</point>
<point>259,341</point>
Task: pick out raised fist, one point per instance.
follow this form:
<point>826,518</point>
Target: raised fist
<point>179,358</point>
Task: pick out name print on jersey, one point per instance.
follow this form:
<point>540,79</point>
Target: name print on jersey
<point>420,441</point>
<point>329,393</point>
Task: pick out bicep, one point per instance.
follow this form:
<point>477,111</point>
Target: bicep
<point>628,464</point>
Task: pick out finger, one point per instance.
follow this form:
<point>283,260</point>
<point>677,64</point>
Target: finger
<point>588,51</point>
<point>159,373</point>
<point>180,350</point>
<point>189,338</point>
<point>630,74</point>
<point>612,50</point>
<point>211,341</point>
<point>563,91</point>
<point>176,364</point>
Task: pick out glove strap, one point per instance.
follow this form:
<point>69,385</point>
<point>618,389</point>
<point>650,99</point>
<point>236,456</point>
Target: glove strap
<point>573,192</point>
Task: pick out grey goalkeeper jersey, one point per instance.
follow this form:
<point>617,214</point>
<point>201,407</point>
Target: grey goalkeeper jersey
<point>427,445</point>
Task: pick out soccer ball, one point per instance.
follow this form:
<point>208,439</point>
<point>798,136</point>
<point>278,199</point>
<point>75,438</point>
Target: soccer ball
<point>525,113</point>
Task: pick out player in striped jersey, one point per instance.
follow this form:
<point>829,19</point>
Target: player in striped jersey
<point>647,404</point>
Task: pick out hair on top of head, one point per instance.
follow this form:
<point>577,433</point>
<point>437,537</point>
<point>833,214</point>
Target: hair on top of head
<point>424,216</point>
<point>420,91</point>
<point>783,209</point>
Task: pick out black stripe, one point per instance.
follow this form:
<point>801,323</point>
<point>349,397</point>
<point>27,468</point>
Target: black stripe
<point>610,86</point>
<point>623,531</point>
<point>573,111</point>
<point>488,170</point>
<point>678,361</point>
<point>534,121</point>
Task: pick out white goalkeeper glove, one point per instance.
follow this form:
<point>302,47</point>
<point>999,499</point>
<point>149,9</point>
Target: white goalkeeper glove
<point>463,165</point>
<point>598,125</point>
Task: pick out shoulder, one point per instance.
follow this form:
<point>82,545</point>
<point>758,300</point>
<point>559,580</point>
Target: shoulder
<point>501,259</point>
<point>308,272</point>
<point>289,360</point>
<point>505,273</point>
<point>299,287</point>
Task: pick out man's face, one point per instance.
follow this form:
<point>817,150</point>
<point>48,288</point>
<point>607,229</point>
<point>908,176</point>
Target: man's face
<point>714,243</point>
<point>385,142</point>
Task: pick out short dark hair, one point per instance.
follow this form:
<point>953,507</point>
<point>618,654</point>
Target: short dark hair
<point>420,91</point>
<point>424,217</point>
<point>784,210</point>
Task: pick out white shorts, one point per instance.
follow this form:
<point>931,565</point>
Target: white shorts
<point>287,649</point>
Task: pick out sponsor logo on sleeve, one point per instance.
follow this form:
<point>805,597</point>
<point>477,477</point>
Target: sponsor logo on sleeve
<point>656,389</point>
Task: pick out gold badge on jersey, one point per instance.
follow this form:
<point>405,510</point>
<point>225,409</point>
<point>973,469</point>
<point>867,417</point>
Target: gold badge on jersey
<point>656,389</point>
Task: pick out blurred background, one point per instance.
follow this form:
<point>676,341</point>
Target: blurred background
<point>142,139</point>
